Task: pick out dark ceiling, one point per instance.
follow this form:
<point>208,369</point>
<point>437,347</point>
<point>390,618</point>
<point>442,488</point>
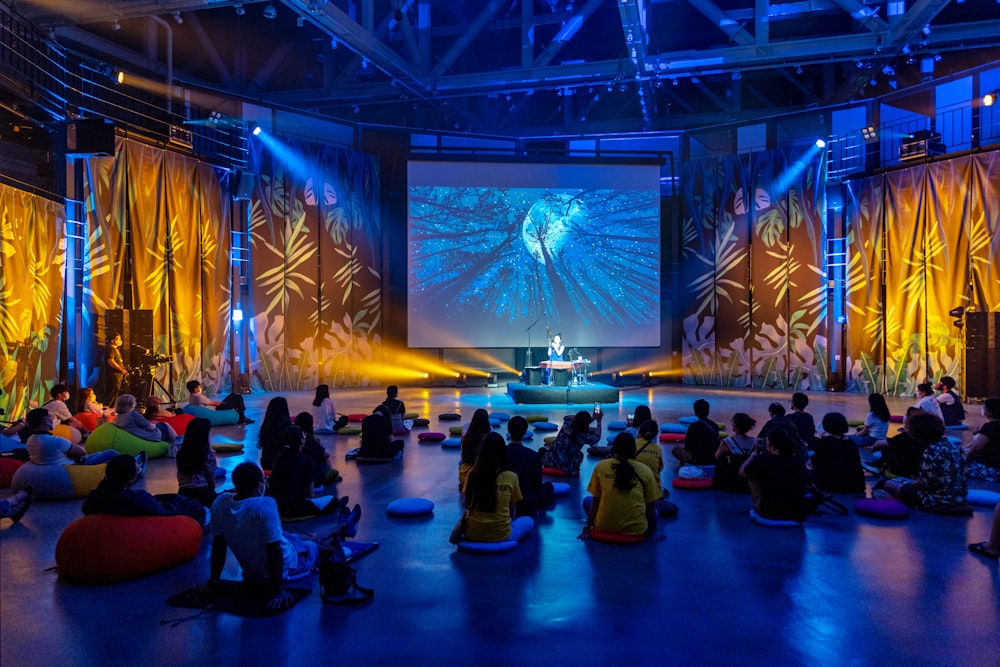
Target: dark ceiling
<point>548,67</point>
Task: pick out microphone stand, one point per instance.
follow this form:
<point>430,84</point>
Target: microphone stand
<point>527,356</point>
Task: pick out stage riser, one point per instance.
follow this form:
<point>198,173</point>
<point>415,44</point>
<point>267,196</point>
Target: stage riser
<point>540,394</point>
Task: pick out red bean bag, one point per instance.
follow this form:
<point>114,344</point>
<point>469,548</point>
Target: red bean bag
<point>703,483</point>
<point>88,419</point>
<point>178,422</point>
<point>8,466</point>
<point>356,417</point>
<point>104,549</point>
<point>612,538</point>
<point>672,437</point>
<point>895,419</point>
<point>556,472</point>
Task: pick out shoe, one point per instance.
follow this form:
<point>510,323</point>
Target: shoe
<point>352,521</point>
<point>246,420</point>
<point>141,459</point>
<point>980,549</point>
<point>30,493</point>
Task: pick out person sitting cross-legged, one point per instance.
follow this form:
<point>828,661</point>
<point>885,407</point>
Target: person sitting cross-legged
<point>526,464</point>
<point>114,495</point>
<point>777,478</point>
<point>624,492</point>
<point>491,495</point>
<point>701,440</point>
<point>940,485</point>
<point>291,480</point>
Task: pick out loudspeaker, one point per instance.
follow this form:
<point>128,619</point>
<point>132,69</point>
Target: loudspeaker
<point>242,184</point>
<point>89,137</point>
<point>982,355</point>
<point>136,328</point>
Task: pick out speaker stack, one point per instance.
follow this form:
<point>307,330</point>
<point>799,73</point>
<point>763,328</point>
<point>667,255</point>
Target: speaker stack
<point>982,355</point>
<point>136,329</point>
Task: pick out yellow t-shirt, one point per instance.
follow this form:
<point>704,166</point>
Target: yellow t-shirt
<point>652,456</point>
<point>622,512</point>
<point>495,526</point>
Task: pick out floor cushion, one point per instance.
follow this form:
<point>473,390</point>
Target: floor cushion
<point>612,538</point>
<point>502,416</point>
<point>957,427</point>
<point>549,439</point>
<point>672,437</point>
<point>349,430</point>
<point>556,472</point>
<point>410,507</point>
<point>773,523</point>
<point>449,417</point>
<point>411,415</point>
<point>8,466</point>
<point>494,423</point>
<point>673,428</point>
<point>529,436</point>
<point>356,416</point>
<point>617,426</point>
<point>216,417</point>
<point>109,436</point>
<point>703,483</point>
<point>982,497</point>
<point>431,436</point>
<point>471,547</point>
<point>57,482</point>
<point>452,443</point>
<point>895,419</point>
<point>178,422</point>
<point>688,419</point>
<point>227,447</point>
<point>881,508</point>
<point>103,549</point>
<point>531,419</point>
<point>88,419</point>
<point>546,426</point>
<point>456,430</point>
<point>560,489</point>
<point>421,422</point>
<point>400,431</point>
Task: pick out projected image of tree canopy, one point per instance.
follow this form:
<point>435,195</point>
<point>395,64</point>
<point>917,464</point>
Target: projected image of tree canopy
<point>486,262</point>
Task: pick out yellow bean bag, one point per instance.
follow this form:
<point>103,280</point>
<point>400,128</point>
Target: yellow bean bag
<point>109,436</point>
<point>57,482</point>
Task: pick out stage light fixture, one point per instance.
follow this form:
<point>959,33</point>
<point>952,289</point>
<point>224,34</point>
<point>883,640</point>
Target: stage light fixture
<point>300,21</point>
<point>926,30</point>
<point>869,134</point>
<point>798,70</point>
<point>820,143</point>
<point>115,25</point>
<point>315,7</point>
<point>240,10</point>
<point>990,98</point>
<point>237,315</point>
<point>257,130</point>
<point>119,77</point>
<point>178,19</point>
<point>957,311</point>
<point>270,12</point>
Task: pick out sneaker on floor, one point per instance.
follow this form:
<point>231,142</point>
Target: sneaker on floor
<point>246,420</point>
<point>352,521</point>
<point>141,459</point>
<point>29,496</point>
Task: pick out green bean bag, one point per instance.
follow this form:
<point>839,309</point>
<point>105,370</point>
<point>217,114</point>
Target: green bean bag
<point>109,436</point>
<point>217,417</point>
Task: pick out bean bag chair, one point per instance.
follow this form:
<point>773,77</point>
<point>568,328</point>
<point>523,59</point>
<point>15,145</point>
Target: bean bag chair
<point>471,547</point>
<point>665,508</point>
<point>673,428</point>
<point>612,538</point>
<point>560,489</point>
<point>421,422</point>
<point>881,508</point>
<point>409,507</point>
<point>546,426</point>
<point>452,443</point>
<point>617,426</point>
<point>411,415</point>
<point>455,430</point>
<point>449,417</point>
<point>531,419</point>
<point>349,430</point>
<point>672,437</point>
<point>109,436</point>
<point>104,549</point>
<point>773,523</point>
<point>178,422</point>
<point>217,417</point>
<point>8,466</point>
<point>695,484</point>
<point>895,419</point>
<point>57,482</point>
<point>982,498</point>
<point>430,436</point>
<point>88,419</point>
<point>494,423</point>
<point>556,472</point>
<point>529,435</point>
<point>9,444</point>
<point>356,417</point>
<point>689,419</point>
<point>549,439</point>
<point>502,416</point>
<point>68,432</point>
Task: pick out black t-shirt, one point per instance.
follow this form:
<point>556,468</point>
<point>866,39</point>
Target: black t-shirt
<point>903,455</point>
<point>702,441</point>
<point>991,454</point>
<point>528,467</point>
<point>783,485</point>
<point>805,425</point>
<point>837,466</point>
<point>376,433</point>
<point>291,474</point>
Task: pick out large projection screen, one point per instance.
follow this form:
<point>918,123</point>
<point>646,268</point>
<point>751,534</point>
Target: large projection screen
<point>494,248</point>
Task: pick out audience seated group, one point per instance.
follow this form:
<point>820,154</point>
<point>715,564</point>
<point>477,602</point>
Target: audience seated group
<point>233,401</point>
<point>803,421</point>
<point>876,426</point>
<point>44,448</point>
<point>324,411</point>
<point>128,419</point>
<point>114,495</point>
<point>901,454</point>
<point>836,464</point>
<point>777,478</point>
<point>377,443</point>
<point>271,436</point>
<point>952,410</point>
<point>527,465</point>
<point>323,472</point>
<point>291,482</point>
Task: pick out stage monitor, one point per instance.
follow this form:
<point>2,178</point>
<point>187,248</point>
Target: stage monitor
<point>496,248</point>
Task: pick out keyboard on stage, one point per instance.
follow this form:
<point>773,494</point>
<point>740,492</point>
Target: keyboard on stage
<point>564,365</point>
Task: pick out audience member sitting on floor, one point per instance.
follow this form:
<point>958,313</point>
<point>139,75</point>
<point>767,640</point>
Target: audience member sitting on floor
<point>250,525</point>
<point>876,426</point>
<point>88,403</point>
<point>733,451</point>
<point>472,439</point>
<point>982,455</point>
<point>154,409</point>
<point>231,402</point>
<point>324,411</point>
<point>701,440</point>
<point>940,484</point>
<point>777,478</point>
<point>394,407</point>
<point>14,507</point>
<point>323,472</point>
<point>271,436</point>
<point>291,480</point>
<point>196,463</point>
<point>491,495</point>
<point>60,411</point>
<point>641,415</point>
<point>802,420</point>
<point>647,450</point>
<point>952,410</point>
<point>526,464</point>
<point>990,548</point>
<point>566,451</point>
<point>114,495</point>
<point>128,419</point>
<point>376,438</point>
<point>47,449</point>
<point>927,402</point>
<point>623,491</point>
<point>836,464</point>
<point>901,454</point>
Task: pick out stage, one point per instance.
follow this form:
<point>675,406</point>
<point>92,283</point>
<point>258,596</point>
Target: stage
<point>580,394</point>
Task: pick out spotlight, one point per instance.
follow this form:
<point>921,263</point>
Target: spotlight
<point>115,25</point>
<point>820,143</point>
<point>237,315</point>
<point>990,98</point>
<point>270,12</point>
<point>315,7</point>
<point>798,70</point>
<point>178,19</point>
<point>240,11</point>
<point>257,130</point>
<point>957,311</point>
<point>675,82</point>
<point>119,77</point>
<point>926,30</point>
<point>869,134</point>
<point>888,70</point>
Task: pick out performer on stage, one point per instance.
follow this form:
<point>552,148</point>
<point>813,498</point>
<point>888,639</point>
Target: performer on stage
<point>556,349</point>
<point>112,369</point>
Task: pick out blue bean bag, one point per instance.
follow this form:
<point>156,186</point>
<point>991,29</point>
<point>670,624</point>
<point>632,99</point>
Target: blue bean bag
<point>494,423</point>
<point>690,419</point>
<point>881,508</point>
<point>452,443</point>
<point>560,489</point>
<point>982,497</point>
<point>109,436</point>
<point>502,416</point>
<point>957,427</point>
<point>673,428</point>
<point>408,507</point>
<point>57,482</point>
<point>529,435</point>
<point>617,426</point>
<point>217,417</point>
<point>471,547</point>
<point>773,523</point>
<point>546,426</point>
<point>449,417</point>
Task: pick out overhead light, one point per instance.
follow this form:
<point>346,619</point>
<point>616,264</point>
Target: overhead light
<point>869,134</point>
<point>257,130</point>
<point>270,12</point>
<point>119,77</point>
<point>926,30</point>
<point>240,11</point>
<point>315,7</point>
<point>990,98</point>
<point>820,143</point>
<point>798,70</point>
<point>115,25</point>
<point>178,19</point>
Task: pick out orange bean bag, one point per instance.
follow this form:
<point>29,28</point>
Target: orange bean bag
<point>88,419</point>
<point>178,422</point>
<point>105,549</point>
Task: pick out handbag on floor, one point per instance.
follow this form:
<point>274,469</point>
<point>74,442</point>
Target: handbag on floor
<point>338,581</point>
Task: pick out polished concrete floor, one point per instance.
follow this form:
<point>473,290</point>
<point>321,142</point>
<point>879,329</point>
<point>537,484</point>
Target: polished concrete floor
<point>719,590</point>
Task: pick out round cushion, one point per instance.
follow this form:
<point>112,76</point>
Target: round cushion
<point>854,423</point>
<point>57,482</point>
<point>68,432</point>
<point>612,538</point>
<point>955,440</point>
<point>502,416</point>
<point>430,436</point>
<point>895,419</point>
<point>672,437</point>
<point>349,430</point>
<point>452,443</point>
<point>560,489</point>
<point>617,426</point>
<point>410,507</point>
<point>217,417</point>
<point>689,419</point>
<point>531,419</point>
<point>773,523</point>
<point>556,472</point>
<point>449,417</point>
<point>471,547</point>
<point>494,423</point>
<point>549,439</point>
<point>411,415</point>
<point>673,428</point>
<point>957,427</point>
<point>88,419</point>
<point>103,549</point>
<point>421,422</point>
<point>227,447</point>
<point>681,483</point>
<point>456,430</point>
<point>178,422</point>
<point>109,436</point>
<point>546,426</point>
<point>400,431</point>
<point>882,508</point>
<point>8,466</point>
<point>356,416</point>
<point>665,508</point>
<point>982,497</point>
<point>530,435</point>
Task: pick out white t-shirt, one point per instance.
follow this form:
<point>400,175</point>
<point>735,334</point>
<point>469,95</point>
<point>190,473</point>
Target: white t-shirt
<point>930,404</point>
<point>249,525</point>
<point>324,414</point>
<point>45,449</point>
<point>59,410</point>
